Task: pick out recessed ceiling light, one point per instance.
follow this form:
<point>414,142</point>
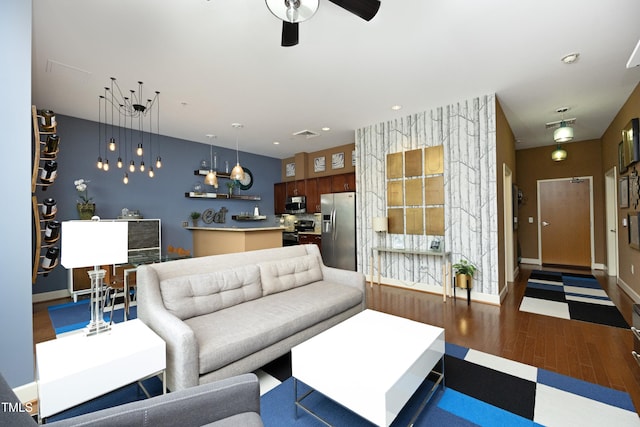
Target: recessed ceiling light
<point>570,58</point>
<point>396,107</point>
<point>276,142</point>
<point>326,129</point>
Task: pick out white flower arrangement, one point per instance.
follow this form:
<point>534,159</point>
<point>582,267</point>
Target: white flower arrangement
<point>83,190</point>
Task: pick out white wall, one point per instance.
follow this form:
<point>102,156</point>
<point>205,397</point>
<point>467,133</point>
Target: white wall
<point>467,130</point>
<point>16,331</point>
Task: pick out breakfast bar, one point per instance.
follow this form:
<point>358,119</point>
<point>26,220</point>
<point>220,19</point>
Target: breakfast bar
<point>226,240</point>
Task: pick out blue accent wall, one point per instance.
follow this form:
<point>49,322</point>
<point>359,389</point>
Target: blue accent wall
<point>159,197</point>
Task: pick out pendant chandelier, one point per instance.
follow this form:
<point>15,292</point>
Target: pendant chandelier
<point>212,176</point>
<point>237,172</point>
<point>135,108</point>
<point>563,133</point>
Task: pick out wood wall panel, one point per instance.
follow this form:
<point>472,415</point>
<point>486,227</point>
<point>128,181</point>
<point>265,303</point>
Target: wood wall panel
<point>394,193</point>
<point>394,165</point>
<point>396,220</point>
<point>413,188</point>
<point>434,190</point>
<point>435,221</point>
<point>413,163</point>
<point>415,221</point>
<point>434,160</point>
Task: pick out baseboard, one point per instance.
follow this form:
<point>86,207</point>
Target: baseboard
<point>533,261</point>
<point>629,291</point>
<point>48,296</point>
<point>598,266</point>
<point>461,294</point>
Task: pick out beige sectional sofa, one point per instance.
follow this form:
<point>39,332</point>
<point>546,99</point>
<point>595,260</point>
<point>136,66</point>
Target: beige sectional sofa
<point>225,315</point>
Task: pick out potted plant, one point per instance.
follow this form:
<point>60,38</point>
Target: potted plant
<point>464,271</point>
<point>230,185</point>
<point>86,209</point>
<point>195,216</point>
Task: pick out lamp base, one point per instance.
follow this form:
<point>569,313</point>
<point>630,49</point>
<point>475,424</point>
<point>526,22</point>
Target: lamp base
<point>97,324</point>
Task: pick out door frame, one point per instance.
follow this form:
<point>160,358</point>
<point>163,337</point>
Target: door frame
<point>593,246</point>
<point>509,256</point>
<point>611,212</point>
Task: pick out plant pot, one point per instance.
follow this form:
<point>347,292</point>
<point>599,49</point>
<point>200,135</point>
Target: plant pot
<point>86,210</point>
<point>464,281</point>
<point>194,222</point>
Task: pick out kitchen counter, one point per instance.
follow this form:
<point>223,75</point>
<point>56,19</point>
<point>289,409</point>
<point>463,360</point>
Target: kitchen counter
<point>225,240</point>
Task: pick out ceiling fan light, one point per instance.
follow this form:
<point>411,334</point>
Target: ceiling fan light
<point>293,10</point>
<point>563,134</point>
<point>559,154</point>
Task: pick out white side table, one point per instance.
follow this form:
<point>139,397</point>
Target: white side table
<point>76,368</point>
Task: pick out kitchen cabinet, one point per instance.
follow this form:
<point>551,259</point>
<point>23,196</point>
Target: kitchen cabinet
<point>313,197</point>
<point>305,238</point>
<point>343,182</point>
<point>279,197</point>
<point>296,188</point>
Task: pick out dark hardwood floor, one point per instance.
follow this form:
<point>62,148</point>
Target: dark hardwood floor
<point>594,353</point>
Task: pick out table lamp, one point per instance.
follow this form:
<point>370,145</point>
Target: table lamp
<point>380,224</point>
<point>92,244</point>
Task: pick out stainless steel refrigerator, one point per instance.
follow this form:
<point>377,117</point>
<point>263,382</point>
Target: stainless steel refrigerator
<point>339,230</point>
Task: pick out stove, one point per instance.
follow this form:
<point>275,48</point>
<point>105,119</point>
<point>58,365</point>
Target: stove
<point>290,238</point>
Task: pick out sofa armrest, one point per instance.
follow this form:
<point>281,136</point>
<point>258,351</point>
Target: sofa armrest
<point>237,397</point>
<point>183,369</point>
<point>345,277</point>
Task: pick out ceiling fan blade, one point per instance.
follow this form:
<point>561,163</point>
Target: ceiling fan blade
<point>365,9</point>
<point>289,34</point>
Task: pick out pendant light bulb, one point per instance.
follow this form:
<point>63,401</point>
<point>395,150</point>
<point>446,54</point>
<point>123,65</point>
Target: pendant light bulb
<point>142,166</point>
<point>119,163</point>
<point>125,180</point>
<point>112,144</point>
<point>158,162</point>
<point>237,172</point>
<point>151,173</point>
<point>99,163</point>
<point>105,165</point>
<point>132,166</point>
<point>139,150</point>
<point>211,179</point>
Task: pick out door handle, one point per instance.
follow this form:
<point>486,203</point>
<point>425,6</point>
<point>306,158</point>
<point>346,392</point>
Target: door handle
<point>545,223</point>
<point>613,231</point>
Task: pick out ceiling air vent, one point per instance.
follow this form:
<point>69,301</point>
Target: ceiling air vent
<point>306,133</point>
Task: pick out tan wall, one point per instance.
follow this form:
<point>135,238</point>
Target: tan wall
<point>583,159</point>
<point>505,155</point>
<point>626,255</point>
<point>305,163</point>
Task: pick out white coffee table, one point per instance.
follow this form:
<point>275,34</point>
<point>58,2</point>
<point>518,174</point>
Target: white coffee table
<point>76,368</point>
<point>371,363</point>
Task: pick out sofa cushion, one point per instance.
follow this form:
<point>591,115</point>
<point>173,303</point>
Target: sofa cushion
<point>198,294</point>
<point>281,275</point>
<point>229,335</point>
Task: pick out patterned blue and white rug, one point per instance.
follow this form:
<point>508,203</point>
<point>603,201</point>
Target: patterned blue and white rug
<point>482,390</point>
<point>570,296</point>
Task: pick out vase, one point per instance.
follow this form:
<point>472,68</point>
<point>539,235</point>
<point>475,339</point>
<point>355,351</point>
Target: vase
<point>86,210</point>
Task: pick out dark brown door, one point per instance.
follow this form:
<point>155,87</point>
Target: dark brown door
<point>565,229</point>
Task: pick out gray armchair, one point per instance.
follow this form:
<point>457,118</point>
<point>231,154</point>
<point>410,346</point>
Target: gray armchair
<point>230,402</point>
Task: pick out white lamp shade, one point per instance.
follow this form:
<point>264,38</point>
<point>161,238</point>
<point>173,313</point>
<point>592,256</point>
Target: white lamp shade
<point>91,243</point>
<point>379,224</point>
<point>563,134</point>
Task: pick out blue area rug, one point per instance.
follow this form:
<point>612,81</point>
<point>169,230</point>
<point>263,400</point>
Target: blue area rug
<point>570,296</point>
<point>481,390</point>
<point>76,315</point>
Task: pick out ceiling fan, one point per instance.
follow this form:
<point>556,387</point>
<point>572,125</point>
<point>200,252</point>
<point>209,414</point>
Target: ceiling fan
<point>292,12</point>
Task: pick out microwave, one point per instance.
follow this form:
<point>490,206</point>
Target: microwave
<point>296,204</point>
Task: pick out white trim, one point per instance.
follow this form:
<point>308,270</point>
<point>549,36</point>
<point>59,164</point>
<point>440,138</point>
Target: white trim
<point>611,221</point>
<point>48,296</point>
<point>461,294</point>
<point>27,392</point>
<point>598,266</point>
<point>532,261</point>
<point>629,291</point>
